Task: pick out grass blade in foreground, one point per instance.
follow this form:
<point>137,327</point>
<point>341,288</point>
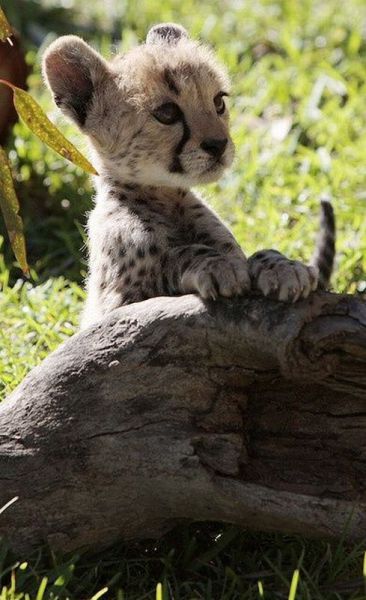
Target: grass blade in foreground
<point>9,206</point>
<point>99,594</point>
<point>38,122</point>
<point>5,29</point>
<point>294,584</point>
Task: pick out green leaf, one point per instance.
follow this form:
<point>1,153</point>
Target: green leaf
<point>38,122</point>
<point>5,29</point>
<point>9,206</point>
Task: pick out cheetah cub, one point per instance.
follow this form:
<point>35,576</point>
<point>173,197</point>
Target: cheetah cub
<point>157,122</point>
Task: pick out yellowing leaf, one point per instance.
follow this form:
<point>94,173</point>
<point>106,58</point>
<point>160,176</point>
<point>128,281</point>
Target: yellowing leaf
<point>33,116</point>
<point>9,206</point>
<point>5,29</point>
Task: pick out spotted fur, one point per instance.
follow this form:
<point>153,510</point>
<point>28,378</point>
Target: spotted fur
<point>157,124</point>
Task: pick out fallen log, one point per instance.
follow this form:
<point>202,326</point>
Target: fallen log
<point>247,411</point>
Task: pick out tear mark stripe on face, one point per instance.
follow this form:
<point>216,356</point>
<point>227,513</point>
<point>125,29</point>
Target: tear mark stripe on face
<point>176,166</point>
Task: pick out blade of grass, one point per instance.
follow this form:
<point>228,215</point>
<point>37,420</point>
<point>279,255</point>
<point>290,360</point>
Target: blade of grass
<point>294,584</point>
<point>159,592</point>
<point>3,508</point>
<point>42,589</point>
<point>99,594</point>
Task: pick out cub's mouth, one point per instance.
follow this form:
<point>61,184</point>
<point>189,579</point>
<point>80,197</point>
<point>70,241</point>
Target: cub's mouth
<point>215,165</point>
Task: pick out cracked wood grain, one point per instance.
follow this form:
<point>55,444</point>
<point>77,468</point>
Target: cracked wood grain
<point>247,411</point>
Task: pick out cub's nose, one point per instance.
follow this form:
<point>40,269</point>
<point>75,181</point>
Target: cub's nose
<point>214,147</point>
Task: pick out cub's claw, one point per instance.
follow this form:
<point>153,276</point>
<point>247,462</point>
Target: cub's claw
<point>218,276</point>
<point>280,278</point>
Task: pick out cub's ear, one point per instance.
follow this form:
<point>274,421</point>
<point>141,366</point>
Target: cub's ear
<point>167,33</point>
<point>73,72</point>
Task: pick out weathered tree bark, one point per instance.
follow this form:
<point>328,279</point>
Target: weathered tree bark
<point>247,411</point>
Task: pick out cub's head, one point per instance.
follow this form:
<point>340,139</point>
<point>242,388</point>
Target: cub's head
<point>154,116</point>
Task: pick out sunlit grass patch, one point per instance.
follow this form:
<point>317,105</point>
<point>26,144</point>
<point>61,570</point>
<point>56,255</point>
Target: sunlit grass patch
<point>35,319</point>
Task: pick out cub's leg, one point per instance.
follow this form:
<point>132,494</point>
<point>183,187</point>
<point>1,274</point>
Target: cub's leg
<point>278,277</point>
<point>203,270</point>
<point>214,265</point>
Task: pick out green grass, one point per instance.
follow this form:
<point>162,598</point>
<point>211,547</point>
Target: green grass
<point>299,123</point>
<point>201,561</point>
<point>34,320</point>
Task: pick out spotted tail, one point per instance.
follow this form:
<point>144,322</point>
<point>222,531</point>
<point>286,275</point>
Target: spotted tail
<point>324,254</point>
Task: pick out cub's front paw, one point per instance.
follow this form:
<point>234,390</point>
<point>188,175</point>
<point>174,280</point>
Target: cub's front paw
<point>278,277</point>
<point>218,276</point>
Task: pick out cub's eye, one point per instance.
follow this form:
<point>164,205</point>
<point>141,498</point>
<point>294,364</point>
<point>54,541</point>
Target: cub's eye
<point>219,103</point>
<point>168,113</point>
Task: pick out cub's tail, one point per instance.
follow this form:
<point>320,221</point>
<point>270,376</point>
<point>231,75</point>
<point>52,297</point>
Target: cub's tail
<point>324,254</point>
